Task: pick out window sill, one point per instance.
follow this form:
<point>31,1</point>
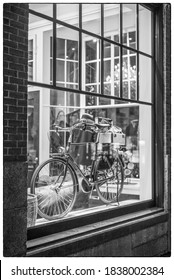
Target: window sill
<point>75,239</point>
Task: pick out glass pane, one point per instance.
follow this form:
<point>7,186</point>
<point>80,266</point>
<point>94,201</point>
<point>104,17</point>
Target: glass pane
<point>91,100</point>
<point>46,9</point>
<point>57,97</point>
<point>129,25</point>
<point>107,49</point>
<point>60,71</point>
<point>73,99</point>
<point>91,49</point>
<point>107,71</point>
<point>67,52</point>
<point>42,48</point>
<point>92,88</point>
<point>30,71</point>
<point>125,90</point>
<point>129,75</point>
<point>91,73</point>
<point>72,50</point>
<point>68,13</point>
<point>60,48</point>
<point>104,101</point>
<point>145,78</point>
<point>72,72</point>
<point>91,17</point>
<point>30,49</point>
<point>145,30</point>
<point>117,77</point>
<point>112,20</point>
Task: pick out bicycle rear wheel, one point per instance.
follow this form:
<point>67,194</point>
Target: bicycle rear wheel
<point>110,190</point>
<point>55,185</point>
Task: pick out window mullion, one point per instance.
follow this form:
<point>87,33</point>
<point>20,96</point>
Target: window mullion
<point>54,44</point>
<point>120,53</point>
<point>137,56</point>
<point>80,47</point>
<point>102,51</point>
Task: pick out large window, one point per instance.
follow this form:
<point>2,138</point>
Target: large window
<point>95,59</point>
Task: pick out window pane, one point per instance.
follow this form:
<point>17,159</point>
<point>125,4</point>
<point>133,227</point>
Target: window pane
<point>129,75</point>
<point>91,49</point>
<point>67,52</point>
<point>72,50</point>
<point>117,77</point>
<point>57,97</point>
<point>60,71</point>
<point>145,30</point>
<point>91,73</point>
<point>91,17</point>
<point>68,13</point>
<point>72,72</point>
<point>129,25</point>
<point>112,20</point>
<point>45,9</point>
<point>60,48</point>
<point>145,78</point>
<point>30,71</point>
<point>91,54</point>
<point>30,50</point>
<point>42,47</point>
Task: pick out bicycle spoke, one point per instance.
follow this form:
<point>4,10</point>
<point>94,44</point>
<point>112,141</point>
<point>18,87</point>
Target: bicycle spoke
<point>56,188</point>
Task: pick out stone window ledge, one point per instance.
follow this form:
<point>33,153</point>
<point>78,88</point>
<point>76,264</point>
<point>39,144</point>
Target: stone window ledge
<point>70,241</point>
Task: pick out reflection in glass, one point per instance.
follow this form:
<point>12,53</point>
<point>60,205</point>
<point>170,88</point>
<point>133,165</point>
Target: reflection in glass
<point>30,49</point>
<point>91,100</point>
<point>145,30</point>
<point>72,50</point>
<point>41,49</point>
<point>91,49</point>
<point>68,13</point>
<point>129,75</point>
<point>60,71</point>
<point>72,72</point>
<point>67,66</point>
<point>30,71</point>
<point>57,97</point>
<point>107,49</point>
<point>60,48</point>
<point>91,73</point>
<point>129,25</point>
<point>91,88</point>
<point>112,18</point>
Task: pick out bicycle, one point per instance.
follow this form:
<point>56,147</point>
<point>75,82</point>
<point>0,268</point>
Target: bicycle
<point>56,180</point>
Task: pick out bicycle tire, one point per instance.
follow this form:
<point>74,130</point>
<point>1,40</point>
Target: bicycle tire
<point>110,190</point>
<point>56,195</point>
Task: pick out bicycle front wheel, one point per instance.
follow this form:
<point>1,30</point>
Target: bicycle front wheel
<point>55,185</point>
<point>109,190</point>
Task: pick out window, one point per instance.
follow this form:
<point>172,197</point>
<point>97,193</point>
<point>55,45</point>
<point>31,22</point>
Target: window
<point>93,59</point>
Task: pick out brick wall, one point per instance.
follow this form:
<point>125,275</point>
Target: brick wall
<point>15,59</point>
<point>15,33</point>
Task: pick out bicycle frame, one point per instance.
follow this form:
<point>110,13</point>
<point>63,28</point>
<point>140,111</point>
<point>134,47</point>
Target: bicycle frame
<point>75,166</point>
